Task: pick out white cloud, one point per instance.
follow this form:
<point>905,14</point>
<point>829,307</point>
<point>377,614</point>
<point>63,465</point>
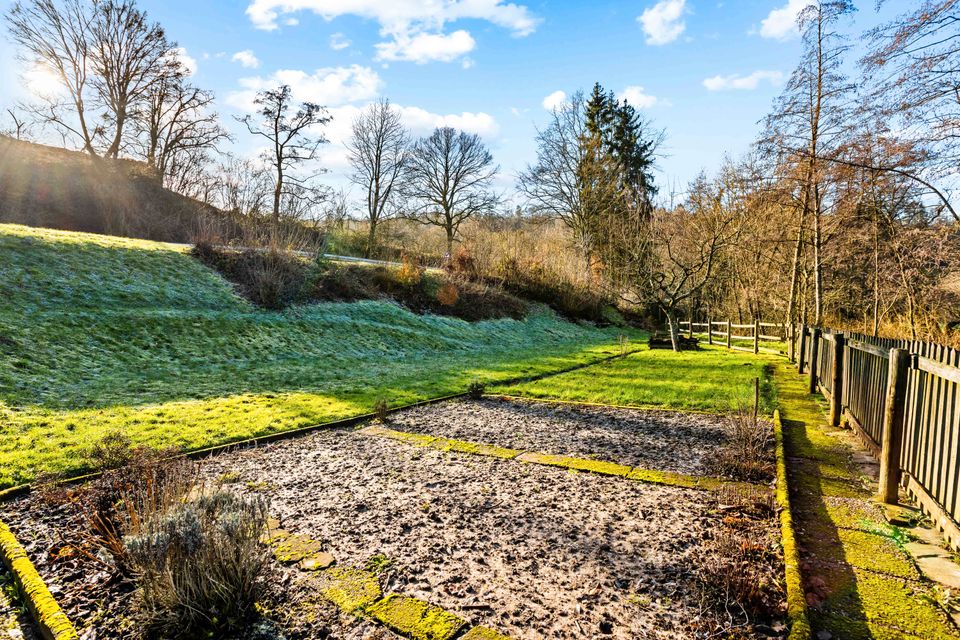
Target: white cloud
<point>189,63</point>
<point>331,86</point>
<point>636,96</point>
<point>426,47</point>
<point>246,58</point>
<point>554,100</point>
<point>663,22</point>
<point>750,82</point>
<point>781,24</point>
<point>339,41</point>
<point>413,29</point>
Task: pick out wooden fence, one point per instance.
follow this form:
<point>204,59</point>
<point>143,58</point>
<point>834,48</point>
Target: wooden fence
<point>757,332</point>
<point>902,398</point>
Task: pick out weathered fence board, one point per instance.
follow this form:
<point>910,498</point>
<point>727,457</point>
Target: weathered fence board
<point>927,402</point>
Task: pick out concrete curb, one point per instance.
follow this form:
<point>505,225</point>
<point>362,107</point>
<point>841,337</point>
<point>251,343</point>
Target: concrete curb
<point>52,622</point>
<point>796,599</point>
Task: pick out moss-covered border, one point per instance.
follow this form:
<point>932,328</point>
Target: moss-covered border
<point>599,467</point>
<point>796,599</point>
<point>51,621</point>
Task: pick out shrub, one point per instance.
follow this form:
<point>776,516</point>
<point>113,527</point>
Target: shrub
<point>410,273</point>
<point>200,566</point>
<point>381,409</point>
<point>448,294</point>
<point>118,503</point>
<point>462,264</point>
<point>113,450</point>
<point>476,390</point>
<point>748,453</point>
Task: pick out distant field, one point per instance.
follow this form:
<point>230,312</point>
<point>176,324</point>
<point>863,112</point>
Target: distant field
<point>101,334</point>
<point>710,379</point>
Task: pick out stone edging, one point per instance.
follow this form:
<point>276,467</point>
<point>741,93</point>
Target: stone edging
<point>600,467</point>
<point>796,599</point>
<point>51,621</point>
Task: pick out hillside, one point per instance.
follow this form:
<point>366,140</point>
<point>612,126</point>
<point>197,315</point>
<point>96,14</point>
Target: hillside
<point>43,186</point>
<point>102,334</point>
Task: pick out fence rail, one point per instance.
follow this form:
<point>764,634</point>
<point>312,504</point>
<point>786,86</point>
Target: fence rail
<point>756,334</point>
<point>903,400</point>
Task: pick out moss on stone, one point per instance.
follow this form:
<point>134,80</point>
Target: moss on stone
<point>297,547</point>
<point>531,457</point>
<point>350,589</point>
<point>474,448</point>
<point>598,466</point>
<point>50,618</point>
<point>483,633</point>
<point>415,618</point>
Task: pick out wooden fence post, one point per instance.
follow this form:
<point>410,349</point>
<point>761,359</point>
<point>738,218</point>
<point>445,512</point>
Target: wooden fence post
<point>728,334</point>
<point>836,380</point>
<point>814,355</point>
<point>893,414</point>
<point>756,336</point>
<point>802,348</point>
<point>709,329</point>
<point>791,332</point>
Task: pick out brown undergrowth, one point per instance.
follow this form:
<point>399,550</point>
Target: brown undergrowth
<point>275,279</point>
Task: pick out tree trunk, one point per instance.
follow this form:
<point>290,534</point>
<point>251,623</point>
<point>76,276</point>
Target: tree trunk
<point>674,325</point>
<point>817,261</point>
<point>371,239</point>
<point>795,276</point>
<point>449,244</point>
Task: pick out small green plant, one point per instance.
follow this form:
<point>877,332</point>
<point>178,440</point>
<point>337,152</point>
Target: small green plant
<point>476,390</point>
<point>378,564</point>
<point>111,451</point>
<point>381,409</point>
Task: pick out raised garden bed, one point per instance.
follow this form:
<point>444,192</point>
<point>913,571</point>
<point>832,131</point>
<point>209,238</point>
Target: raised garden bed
<point>528,550</point>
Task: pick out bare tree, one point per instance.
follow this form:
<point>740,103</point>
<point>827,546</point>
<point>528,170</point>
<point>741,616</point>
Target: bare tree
<point>289,135</point>
<point>806,124</point>
<point>242,186</point>
<point>668,256</point>
<point>176,121</point>
<point>378,151</point>
<point>55,36</point>
<point>448,178</point>
<point>553,185</point>
<point>130,55</point>
<point>20,125</point>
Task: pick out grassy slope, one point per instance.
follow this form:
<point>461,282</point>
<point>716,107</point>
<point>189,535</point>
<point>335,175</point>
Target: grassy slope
<point>710,379</point>
<point>100,334</point>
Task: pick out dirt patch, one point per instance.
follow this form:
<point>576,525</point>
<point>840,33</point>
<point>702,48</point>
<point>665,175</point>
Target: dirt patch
<point>662,440</point>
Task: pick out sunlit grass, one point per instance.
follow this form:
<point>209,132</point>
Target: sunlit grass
<point>103,334</point>
<point>709,379</point>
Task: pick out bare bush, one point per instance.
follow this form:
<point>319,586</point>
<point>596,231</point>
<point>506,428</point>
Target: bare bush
<point>748,453</point>
<point>200,566</point>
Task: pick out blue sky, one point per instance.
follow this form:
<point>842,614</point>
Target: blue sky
<point>705,71</point>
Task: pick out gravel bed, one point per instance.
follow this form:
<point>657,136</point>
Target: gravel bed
<point>663,440</point>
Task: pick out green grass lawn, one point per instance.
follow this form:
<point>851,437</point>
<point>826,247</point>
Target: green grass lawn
<point>101,334</point>
<point>709,379</point>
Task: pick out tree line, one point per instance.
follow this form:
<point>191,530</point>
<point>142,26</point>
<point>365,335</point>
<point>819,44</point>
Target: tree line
<point>840,213</point>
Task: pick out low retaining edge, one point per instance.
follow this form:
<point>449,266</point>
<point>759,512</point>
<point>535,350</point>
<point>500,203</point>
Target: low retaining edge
<point>51,621</point>
<point>796,599</point>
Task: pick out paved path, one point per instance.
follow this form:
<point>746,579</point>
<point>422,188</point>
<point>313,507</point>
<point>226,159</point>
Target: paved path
<point>859,580</point>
